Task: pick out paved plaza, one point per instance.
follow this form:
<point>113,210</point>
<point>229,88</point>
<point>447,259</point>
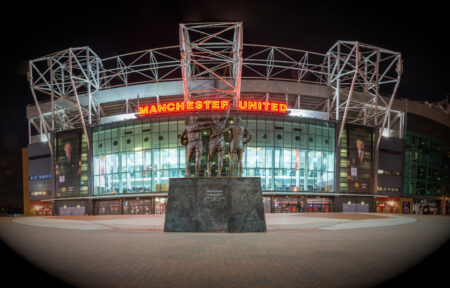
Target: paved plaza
<point>299,250</point>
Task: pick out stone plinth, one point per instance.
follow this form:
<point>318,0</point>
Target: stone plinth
<point>217,204</point>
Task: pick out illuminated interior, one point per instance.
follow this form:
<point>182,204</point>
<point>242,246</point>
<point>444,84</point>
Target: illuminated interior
<point>139,156</point>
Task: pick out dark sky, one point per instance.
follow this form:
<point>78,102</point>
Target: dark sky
<point>416,29</point>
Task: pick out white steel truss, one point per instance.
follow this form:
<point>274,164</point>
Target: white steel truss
<point>370,70</point>
<point>211,60</point>
<point>278,63</point>
<point>363,78</point>
<point>147,66</point>
<point>62,77</point>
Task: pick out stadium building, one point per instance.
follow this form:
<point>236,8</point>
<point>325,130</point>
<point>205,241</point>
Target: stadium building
<point>328,132</point>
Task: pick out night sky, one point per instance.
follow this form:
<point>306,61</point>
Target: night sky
<point>37,29</point>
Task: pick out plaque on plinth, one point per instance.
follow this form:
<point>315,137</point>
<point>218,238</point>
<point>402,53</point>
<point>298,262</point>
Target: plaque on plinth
<point>218,204</point>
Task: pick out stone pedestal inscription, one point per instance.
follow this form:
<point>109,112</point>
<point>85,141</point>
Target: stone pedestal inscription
<point>223,204</point>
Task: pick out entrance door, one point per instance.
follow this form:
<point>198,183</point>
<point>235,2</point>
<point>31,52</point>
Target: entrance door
<point>287,205</point>
<point>137,207</point>
<point>406,207</point>
<point>318,205</point>
<point>108,207</point>
<point>160,205</point>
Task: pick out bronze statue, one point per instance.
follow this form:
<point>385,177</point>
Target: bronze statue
<point>193,142</point>
<point>216,142</point>
<point>236,145</point>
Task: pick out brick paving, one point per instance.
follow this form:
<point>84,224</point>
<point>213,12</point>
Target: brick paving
<point>341,258</point>
<point>275,222</point>
<point>104,217</point>
<point>349,216</point>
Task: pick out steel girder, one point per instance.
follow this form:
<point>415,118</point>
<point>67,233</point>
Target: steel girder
<point>59,79</point>
<point>370,70</point>
<point>146,66</point>
<point>211,60</point>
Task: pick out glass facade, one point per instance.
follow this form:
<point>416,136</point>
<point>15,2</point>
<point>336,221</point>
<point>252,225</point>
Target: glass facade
<point>139,156</point>
<point>427,164</point>
<point>109,207</point>
<point>299,204</point>
<point>137,206</point>
<point>291,154</point>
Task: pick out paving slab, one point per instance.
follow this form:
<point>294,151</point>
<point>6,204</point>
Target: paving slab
<point>275,222</point>
<point>60,223</point>
<point>371,223</point>
<point>110,257</point>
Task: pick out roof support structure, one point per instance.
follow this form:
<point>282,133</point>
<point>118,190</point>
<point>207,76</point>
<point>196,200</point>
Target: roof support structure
<point>59,79</point>
<point>72,82</point>
<point>211,60</point>
<point>387,115</point>
<point>41,117</point>
<point>212,64</point>
<point>350,92</point>
<point>370,70</point>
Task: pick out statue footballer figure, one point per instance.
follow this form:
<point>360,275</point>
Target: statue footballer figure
<point>215,204</point>
<point>191,137</point>
<point>237,146</point>
<point>217,142</point>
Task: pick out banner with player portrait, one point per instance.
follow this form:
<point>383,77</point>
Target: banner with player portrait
<point>68,163</point>
<point>359,159</point>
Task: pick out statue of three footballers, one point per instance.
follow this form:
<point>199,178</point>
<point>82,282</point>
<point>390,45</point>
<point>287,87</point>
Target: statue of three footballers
<point>191,138</point>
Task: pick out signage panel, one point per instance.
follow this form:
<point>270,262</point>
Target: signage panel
<point>210,105</point>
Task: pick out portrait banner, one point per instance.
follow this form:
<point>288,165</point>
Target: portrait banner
<point>359,159</point>
<point>68,163</point>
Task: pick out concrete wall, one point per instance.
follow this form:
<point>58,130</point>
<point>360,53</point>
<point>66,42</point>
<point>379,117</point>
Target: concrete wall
<point>390,161</point>
<point>433,114</point>
<point>390,158</point>
<point>40,163</point>
<point>423,125</point>
<point>26,194</point>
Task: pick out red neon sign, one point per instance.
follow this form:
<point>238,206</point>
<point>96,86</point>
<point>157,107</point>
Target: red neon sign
<point>247,105</point>
<point>210,105</point>
<point>180,106</point>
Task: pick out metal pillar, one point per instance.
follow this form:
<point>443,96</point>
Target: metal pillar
<point>50,80</point>
<point>211,60</point>
<point>364,84</point>
<point>78,100</point>
<point>350,93</point>
<point>41,117</point>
